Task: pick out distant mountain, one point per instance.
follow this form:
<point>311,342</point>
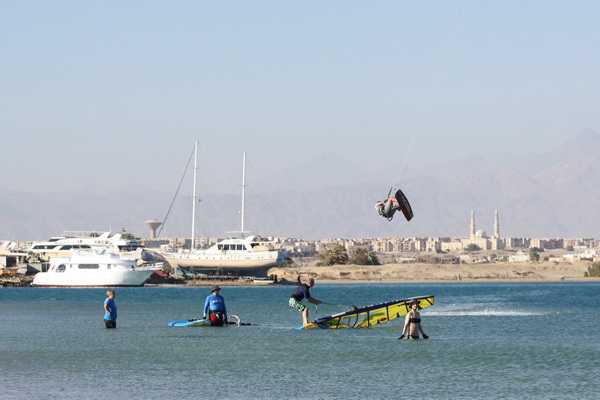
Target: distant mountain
<point>326,170</point>
<point>554,194</point>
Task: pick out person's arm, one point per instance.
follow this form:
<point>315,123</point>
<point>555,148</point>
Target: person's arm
<point>206,305</point>
<point>422,333</point>
<point>106,308</point>
<point>310,298</point>
<point>406,323</point>
<point>314,301</point>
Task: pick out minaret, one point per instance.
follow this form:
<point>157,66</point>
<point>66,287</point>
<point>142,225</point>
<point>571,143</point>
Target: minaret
<point>472,224</point>
<point>496,226</point>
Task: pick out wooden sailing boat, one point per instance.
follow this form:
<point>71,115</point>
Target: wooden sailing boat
<point>245,256</point>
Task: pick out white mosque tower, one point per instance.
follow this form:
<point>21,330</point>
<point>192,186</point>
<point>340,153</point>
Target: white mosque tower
<point>472,235</point>
<point>479,237</point>
<point>496,226</point>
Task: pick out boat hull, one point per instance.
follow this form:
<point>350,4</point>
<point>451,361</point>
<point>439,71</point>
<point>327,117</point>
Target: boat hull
<point>245,264</point>
<point>90,269</point>
<point>92,279</point>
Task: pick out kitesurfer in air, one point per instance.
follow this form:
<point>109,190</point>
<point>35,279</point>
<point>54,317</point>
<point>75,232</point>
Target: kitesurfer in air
<point>214,308</point>
<point>302,292</point>
<point>386,208</point>
<point>412,323</point>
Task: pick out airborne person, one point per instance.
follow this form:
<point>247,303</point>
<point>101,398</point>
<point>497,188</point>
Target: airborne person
<point>386,208</point>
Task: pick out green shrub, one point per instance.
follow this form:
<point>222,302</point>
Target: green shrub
<point>593,270</point>
<point>364,257</point>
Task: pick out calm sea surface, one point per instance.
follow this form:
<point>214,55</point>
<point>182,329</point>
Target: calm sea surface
<point>487,341</point>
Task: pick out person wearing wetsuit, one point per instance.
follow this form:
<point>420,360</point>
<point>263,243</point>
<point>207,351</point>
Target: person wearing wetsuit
<point>386,208</point>
<point>412,323</point>
<point>214,308</point>
<point>302,292</point>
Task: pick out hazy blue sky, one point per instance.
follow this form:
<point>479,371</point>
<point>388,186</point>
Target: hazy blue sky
<point>106,92</point>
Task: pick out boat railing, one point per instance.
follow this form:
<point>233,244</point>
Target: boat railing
<point>150,266</point>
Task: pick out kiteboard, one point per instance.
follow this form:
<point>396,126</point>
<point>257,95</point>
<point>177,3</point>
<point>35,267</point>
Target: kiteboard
<point>206,322</point>
<point>404,205</point>
<point>313,325</point>
<point>191,322</point>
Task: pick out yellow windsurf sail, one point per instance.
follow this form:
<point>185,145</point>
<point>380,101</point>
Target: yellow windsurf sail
<point>365,317</point>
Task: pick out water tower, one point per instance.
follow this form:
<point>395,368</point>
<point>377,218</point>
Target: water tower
<point>153,225</point>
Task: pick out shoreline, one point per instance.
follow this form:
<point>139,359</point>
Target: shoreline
<point>544,271</point>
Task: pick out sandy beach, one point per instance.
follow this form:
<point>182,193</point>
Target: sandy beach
<point>546,271</point>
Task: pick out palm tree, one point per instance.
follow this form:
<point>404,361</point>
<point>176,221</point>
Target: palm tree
<point>334,256</point>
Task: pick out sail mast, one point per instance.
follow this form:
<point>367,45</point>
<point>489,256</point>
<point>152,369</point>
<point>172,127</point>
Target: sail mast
<point>192,245</point>
<point>243,191</point>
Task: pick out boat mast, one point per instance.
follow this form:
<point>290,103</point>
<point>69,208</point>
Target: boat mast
<point>192,246</point>
<point>243,191</point>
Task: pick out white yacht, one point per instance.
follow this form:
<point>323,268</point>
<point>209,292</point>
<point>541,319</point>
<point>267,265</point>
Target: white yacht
<point>250,256</point>
<point>62,245</point>
<point>246,256</point>
<point>88,268</point>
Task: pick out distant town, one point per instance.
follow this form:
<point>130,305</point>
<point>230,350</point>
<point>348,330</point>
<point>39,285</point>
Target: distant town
<point>478,247</point>
<point>433,249</point>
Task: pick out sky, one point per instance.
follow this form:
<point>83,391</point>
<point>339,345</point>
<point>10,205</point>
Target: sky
<point>104,93</point>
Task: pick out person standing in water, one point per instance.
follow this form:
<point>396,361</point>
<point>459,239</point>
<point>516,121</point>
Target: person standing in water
<point>300,294</point>
<point>214,308</point>
<point>110,310</point>
<point>412,323</point>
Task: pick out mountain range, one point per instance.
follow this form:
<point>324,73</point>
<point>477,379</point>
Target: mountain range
<point>541,195</point>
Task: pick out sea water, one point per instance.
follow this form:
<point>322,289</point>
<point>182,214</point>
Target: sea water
<point>486,341</point>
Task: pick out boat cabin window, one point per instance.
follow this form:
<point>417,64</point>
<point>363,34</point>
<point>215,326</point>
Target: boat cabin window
<point>241,247</point>
<point>88,266</point>
<point>61,268</point>
<point>44,246</point>
<point>129,247</point>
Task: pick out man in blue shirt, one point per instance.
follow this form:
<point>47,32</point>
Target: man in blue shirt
<point>110,310</point>
<point>214,308</point>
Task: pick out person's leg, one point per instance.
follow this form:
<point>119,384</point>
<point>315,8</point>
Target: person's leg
<point>389,209</point>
